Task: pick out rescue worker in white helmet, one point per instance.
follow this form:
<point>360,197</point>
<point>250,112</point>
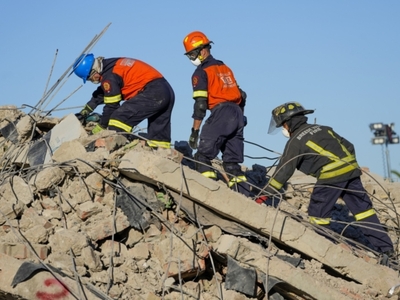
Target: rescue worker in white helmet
<point>319,151</point>
<point>147,95</point>
<point>215,88</point>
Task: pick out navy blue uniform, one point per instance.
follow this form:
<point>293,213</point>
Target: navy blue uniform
<point>319,151</point>
<point>147,95</point>
<point>223,130</point>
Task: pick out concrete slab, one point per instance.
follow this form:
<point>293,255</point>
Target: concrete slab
<point>42,150</point>
<point>265,220</point>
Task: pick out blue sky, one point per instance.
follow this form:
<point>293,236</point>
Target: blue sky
<point>338,57</point>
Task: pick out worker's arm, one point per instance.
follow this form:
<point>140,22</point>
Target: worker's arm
<point>199,112</point>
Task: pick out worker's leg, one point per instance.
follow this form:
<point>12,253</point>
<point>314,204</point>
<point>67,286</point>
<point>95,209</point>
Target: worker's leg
<point>159,124</point>
<point>212,138</point>
<point>154,100</point>
<point>360,205</point>
<point>323,199</point>
<point>233,151</point>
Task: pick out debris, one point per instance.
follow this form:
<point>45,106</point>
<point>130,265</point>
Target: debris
<point>111,218</point>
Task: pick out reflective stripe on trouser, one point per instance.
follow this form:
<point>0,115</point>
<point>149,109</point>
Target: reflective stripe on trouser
<point>154,103</point>
<point>160,144</point>
<point>210,174</point>
<point>240,185</point>
<point>236,180</point>
<point>324,197</point>
<point>320,221</point>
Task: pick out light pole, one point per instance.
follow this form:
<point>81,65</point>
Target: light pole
<point>384,135</point>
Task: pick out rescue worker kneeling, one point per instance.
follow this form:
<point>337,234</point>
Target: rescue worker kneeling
<point>148,94</point>
<point>319,151</point>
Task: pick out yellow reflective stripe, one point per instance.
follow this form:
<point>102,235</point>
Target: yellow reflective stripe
<point>341,171</point>
<point>365,214</point>
<point>343,147</point>
<point>88,108</point>
<point>339,163</point>
<point>275,184</point>
<point>160,144</point>
<point>200,94</point>
<point>210,174</point>
<point>119,124</point>
<point>113,99</point>
<point>320,150</point>
<point>319,221</point>
<point>238,179</point>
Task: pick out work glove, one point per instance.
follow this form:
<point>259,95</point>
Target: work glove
<point>268,201</point>
<point>245,120</point>
<point>83,114</point>
<point>81,118</point>
<point>194,138</point>
<point>97,129</point>
<point>85,111</point>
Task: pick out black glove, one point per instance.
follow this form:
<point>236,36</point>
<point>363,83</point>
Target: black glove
<point>82,115</point>
<point>193,139</point>
<point>81,118</point>
<point>245,120</point>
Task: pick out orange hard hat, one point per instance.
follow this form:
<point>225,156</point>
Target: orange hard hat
<point>195,40</point>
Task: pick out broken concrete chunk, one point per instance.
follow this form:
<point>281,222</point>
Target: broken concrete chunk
<point>48,177</point>
<point>42,150</point>
<point>25,127</point>
<point>16,189</point>
<point>69,151</point>
<point>10,210</point>
<point>65,239</point>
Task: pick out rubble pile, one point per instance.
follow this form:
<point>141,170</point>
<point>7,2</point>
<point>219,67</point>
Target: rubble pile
<point>103,217</point>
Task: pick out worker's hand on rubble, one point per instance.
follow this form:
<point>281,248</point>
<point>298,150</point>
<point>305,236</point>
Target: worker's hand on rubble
<point>194,138</point>
<point>97,129</point>
<point>85,111</point>
<point>82,115</point>
<point>81,118</point>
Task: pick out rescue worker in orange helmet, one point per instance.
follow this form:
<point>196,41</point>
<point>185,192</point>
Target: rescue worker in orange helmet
<point>319,151</point>
<point>215,88</point>
<point>147,95</point>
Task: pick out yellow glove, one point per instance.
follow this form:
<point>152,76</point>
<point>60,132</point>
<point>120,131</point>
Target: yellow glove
<point>86,111</point>
<point>97,129</point>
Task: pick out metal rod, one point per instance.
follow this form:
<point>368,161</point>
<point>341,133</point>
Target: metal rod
<point>67,72</point>
<point>50,111</point>
<point>51,72</point>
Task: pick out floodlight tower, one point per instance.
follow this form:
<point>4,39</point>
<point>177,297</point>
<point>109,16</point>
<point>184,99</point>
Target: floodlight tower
<point>384,135</point>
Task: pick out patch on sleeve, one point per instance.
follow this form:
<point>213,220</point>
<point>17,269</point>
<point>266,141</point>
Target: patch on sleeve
<point>195,81</point>
<point>106,86</point>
